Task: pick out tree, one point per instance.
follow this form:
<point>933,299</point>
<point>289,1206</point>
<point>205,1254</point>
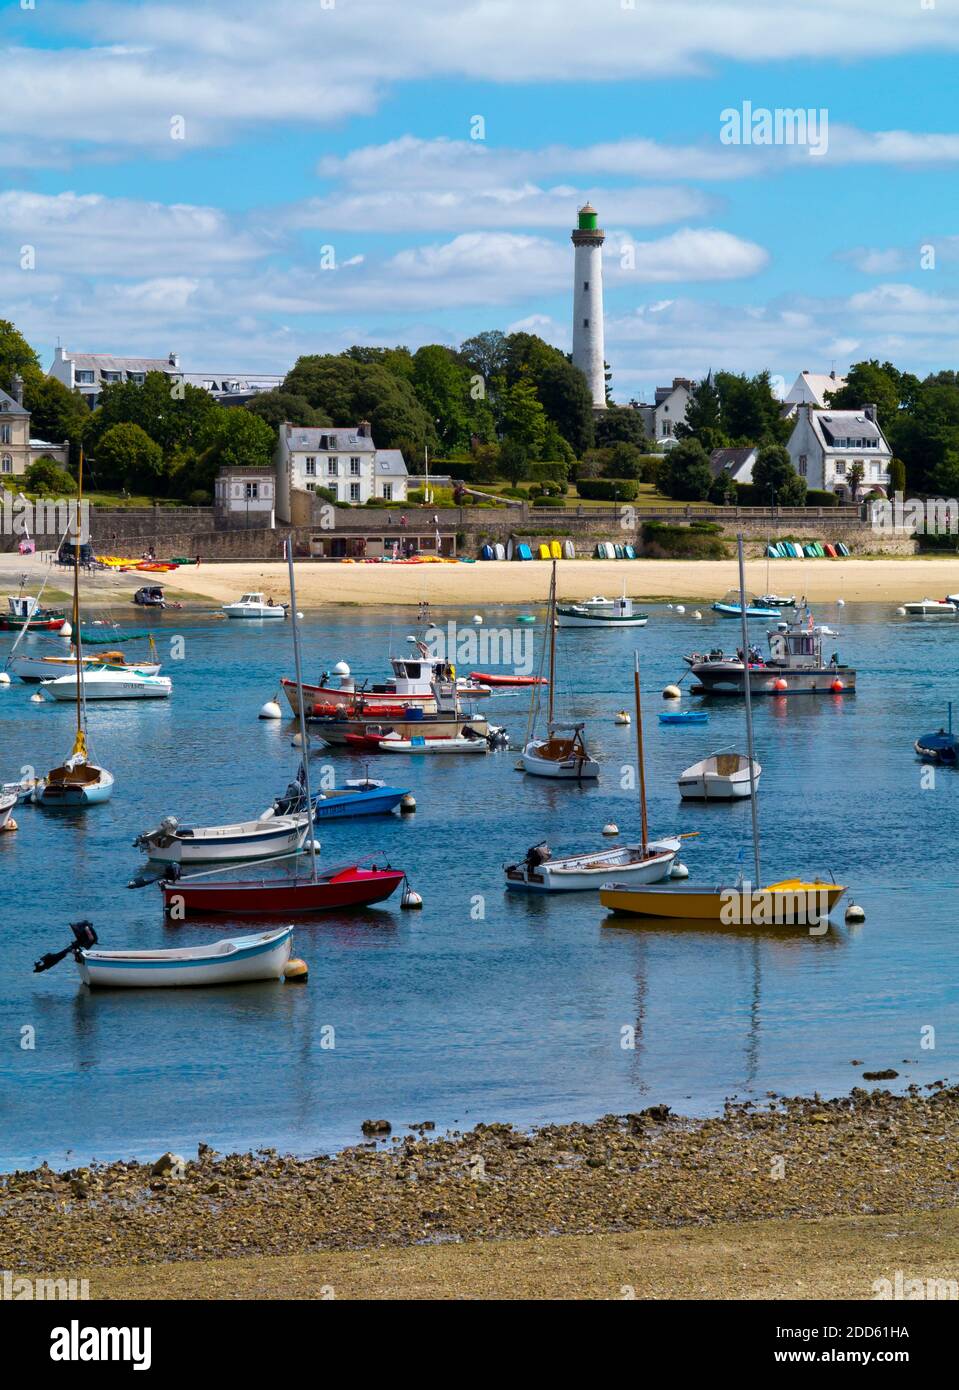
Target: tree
<point>127,457</point>
<point>722,491</point>
<point>46,478</point>
<point>621,424</point>
<point>16,356</point>
<point>868,383</point>
<point>626,461</point>
<point>231,439</point>
<point>485,354</point>
<point>513,461</point>
<point>56,412</point>
<point>749,412</point>
<point>704,416</point>
<point>685,474</point>
<point>855,475</point>
<point>775,479</point>
<point>349,391</point>
<point>523,417</point>
<point>171,413</point>
<point>566,398</point>
<point>897,476</point>
<point>283,407</point>
<point>442,387</point>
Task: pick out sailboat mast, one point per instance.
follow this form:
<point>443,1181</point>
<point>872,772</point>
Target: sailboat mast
<point>749,710</point>
<point>77,640</point>
<point>300,705</point>
<point>551,619</point>
<point>639,755</point>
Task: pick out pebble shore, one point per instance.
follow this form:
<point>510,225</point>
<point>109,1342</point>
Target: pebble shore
<point>866,1153</point>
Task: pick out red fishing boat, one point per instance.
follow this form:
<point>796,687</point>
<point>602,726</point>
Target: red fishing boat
<point>24,609</point>
<point>355,885</point>
<point>508,679</point>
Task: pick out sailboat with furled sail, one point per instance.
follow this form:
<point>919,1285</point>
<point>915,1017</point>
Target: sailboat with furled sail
<point>563,752</point>
<point>788,902</point>
<point>77,781</point>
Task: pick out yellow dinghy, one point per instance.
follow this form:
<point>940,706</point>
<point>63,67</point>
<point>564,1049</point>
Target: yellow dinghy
<point>555,550</point>
<point>789,903</point>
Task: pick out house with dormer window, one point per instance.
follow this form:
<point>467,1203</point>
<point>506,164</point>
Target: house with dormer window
<point>826,444</point>
<point>343,461</point>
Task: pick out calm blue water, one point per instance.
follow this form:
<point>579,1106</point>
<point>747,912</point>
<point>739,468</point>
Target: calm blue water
<point>448,1014</point>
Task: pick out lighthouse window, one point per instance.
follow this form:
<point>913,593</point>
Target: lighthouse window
<point>585,284</point>
<point>585,323</point>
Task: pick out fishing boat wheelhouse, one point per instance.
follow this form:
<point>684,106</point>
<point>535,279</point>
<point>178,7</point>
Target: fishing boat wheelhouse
<point>794,665</point>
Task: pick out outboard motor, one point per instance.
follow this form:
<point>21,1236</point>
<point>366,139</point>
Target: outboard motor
<point>537,855</point>
<point>84,937</point>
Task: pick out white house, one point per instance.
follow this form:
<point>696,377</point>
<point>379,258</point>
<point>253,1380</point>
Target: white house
<point>811,388</point>
<point>825,444</point>
<point>343,461</point>
<point>738,463</point>
<point>89,372</point>
<point>18,449</point>
<point>245,496</point>
<point>667,411</point>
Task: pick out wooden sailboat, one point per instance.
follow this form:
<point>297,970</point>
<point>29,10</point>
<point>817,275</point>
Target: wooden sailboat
<point>350,885</point>
<point>562,753</point>
<point>77,781</point>
<point>789,902</point>
<point>645,862</point>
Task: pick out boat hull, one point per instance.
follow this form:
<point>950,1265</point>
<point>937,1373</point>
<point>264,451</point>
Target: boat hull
<point>726,678</point>
<point>64,688</point>
<point>253,958</point>
<point>569,617</point>
<point>369,733</point>
<point>66,794</point>
<point>225,849</point>
<point>566,769</point>
<point>580,873</point>
<point>34,625</point>
<point>33,669</point>
<point>790,903</point>
<point>359,803</point>
<point>264,614</point>
<point>356,887</point>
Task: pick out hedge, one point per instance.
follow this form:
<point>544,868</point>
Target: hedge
<point>549,471</point>
<point>663,541</point>
<point>816,497</point>
<point>608,489</point>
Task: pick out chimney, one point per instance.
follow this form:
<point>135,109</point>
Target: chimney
<point>870,412</point>
<point>16,388</point>
<point>832,374</point>
<point>174,361</point>
<point>364,429</point>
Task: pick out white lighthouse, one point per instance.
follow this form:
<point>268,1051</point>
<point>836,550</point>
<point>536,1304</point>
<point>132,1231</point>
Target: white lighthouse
<point>588,347</point>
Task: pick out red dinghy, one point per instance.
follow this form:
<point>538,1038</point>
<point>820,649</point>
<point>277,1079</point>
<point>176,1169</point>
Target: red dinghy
<point>507,680</point>
<point>353,886</point>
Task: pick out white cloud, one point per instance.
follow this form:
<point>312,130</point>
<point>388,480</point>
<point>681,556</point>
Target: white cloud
<point>130,67</point>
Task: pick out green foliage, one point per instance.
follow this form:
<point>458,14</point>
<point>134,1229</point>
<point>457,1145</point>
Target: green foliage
<point>608,489</point>
<point>620,425</point>
<point>685,474</point>
<point>514,461</point>
<point>819,497</point>
<point>722,492</point>
<point>442,386</point>
<point>46,478</point>
<point>775,478</point>
<point>546,501</point>
<point>550,471</point>
<point>349,391</point>
<point>704,416</point>
<point>126,457</point>
<point>16,355</point>
<point>664,541</point>
<point>897,476</point>
<point>277,407</point>
<point>749,412</point>
<point>56,412</point>
<point>172,414</point>
<point>625,461</point>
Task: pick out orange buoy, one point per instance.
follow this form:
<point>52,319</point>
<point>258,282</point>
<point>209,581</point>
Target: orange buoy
<point>837,686</point>
<point>780,684</point>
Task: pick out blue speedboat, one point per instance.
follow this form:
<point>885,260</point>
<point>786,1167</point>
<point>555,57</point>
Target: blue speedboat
<point>729,606</point>
<point>363,796</point>
<point>941,747</point>
<point>689,716</point>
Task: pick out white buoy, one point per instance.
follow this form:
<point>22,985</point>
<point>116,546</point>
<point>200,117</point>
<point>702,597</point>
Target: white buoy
<point>309,845</point>
<point>477,618</point>
<point>669,605</point>
<point>4,678</point>
<point>300,617</point>
<point>411,899</point>
<point>680,608</point>
<point>854,913</point>
<point>341,669</point>
<point>407,804</point>
<point>678,870</point>
<point>610,828</point>
<point>698,616</point>
<point>623,717</point>
<point>36,699</point>
<point>271,710</point>
<point>671,692</point>
<point>900,612</point>
<point>840,603</point>
<point>297,740</point>
<point>66,630</point>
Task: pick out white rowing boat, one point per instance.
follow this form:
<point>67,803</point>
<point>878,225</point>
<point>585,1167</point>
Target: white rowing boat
<point>235,960</point>
<point>172,843</point>
<point>720,777</point>
<point>574,873</point>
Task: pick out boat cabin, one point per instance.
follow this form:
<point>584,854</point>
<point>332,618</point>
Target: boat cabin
<point>795,645</point>
<point>22,606</point>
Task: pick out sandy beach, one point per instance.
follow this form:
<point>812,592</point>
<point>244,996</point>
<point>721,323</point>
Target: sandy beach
<point>880,580</point>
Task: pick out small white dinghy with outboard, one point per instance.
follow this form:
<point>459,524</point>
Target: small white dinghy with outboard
<point>233,961</point>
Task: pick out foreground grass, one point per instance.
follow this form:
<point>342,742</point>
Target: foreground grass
<point>833,1258</point>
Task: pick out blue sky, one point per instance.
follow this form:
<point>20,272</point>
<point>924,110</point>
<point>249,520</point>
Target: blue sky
<point>346,124</point>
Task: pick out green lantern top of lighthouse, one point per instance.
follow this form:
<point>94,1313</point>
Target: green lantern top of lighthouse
<point>588,218</point>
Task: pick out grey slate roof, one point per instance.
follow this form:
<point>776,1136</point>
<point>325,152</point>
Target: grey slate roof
<point>390,463</point>
<point>730,460</point>
<point>96,362</point>
<point>831,425</point>
<point>9,406</point>
<point>338,440</point>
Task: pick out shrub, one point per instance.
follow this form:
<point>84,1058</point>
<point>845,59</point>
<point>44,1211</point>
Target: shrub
<point>817,497</point>
<point>199,497</point>
<point>550,502</point>
<point>608,489</point>
<point>46,478</point>
<point>662,541</point>
<point>550,471</point>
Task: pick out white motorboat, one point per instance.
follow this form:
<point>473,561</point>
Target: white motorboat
<point>109,683</point>
<point>539,872</point>
<point>562,754</point>
<point>601,612</point>
<point>720,777</point>
<point>173,843</point>
<point>254,605</point>
<point>233,961</point>
<point>931,608</point>
<point>45,668</point>
<point>7,802</point>
<point>419,743</point>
